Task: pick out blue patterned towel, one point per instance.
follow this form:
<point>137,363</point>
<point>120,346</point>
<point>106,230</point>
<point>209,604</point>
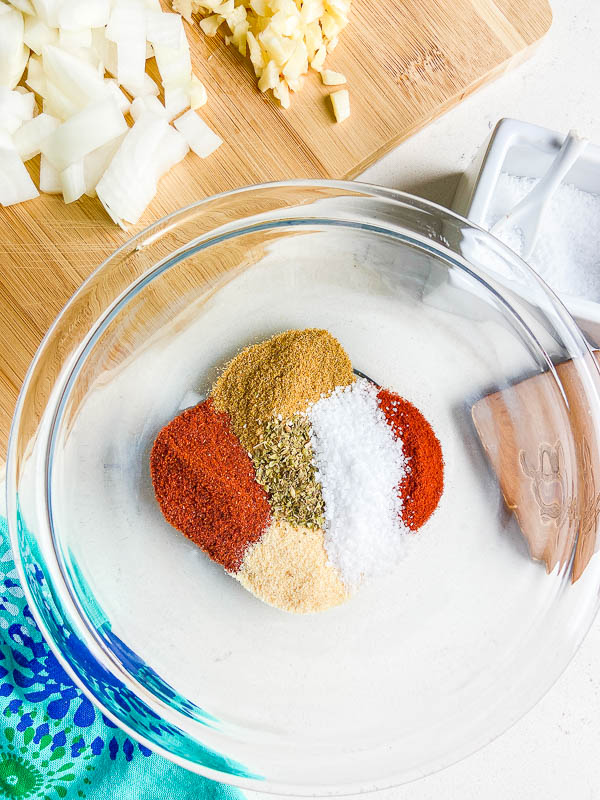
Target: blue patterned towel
<point>53,742</point>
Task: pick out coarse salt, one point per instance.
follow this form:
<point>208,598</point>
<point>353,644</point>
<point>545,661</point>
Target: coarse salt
<point>567,252</point>
<point>359,464</point>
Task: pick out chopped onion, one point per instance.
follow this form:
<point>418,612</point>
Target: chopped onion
<point>35,76</point>
<point>165,29</point>
<point>16,185</point>
<point>148,87</point>
<point>127,29</point>
<point>30,136</point>
<point>149,103</point>
<point>13,53</point>
<point>23,5</point>
<point>175,66</point>
<point>201,139</point>
<point>85,144</point>
<point>96,163</point>
<point>172,149</point>
<point>76,78</point>
<point>73,15</point>
<point>57,104</point>
<point>176,101</point>
<point>19,105</point>
<point>129,183</point>
<point>49,177</point>
<point>37,34</point>
<point>105,50</point>
<point>96,125</point>
<point>72,182</point>
<point>74,40</point>
<point>9,123</point>
<point>121,98</point>
<point>47,10</point>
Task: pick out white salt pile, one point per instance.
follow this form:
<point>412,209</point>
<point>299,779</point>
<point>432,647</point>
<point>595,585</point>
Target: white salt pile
<point>360,465</point>
<point>567,253</point>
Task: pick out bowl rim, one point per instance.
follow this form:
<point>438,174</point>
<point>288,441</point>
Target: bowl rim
<point>146,236</point>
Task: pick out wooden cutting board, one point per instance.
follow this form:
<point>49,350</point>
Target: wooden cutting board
<point>407,61</point>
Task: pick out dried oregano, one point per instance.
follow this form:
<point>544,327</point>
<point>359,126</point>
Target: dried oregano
<point>283,459</point>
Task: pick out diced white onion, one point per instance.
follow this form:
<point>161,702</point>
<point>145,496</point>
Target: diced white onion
<point>129,183</point>
<point>165,29</point>
<point>96,163</point>
<point>30,136</point>
<point>23,5</point>
<point>121,98</point>
<point>16,185</point>
<point>57,104</point>
<point>76,78</point>
<point>148,87</point>
<point>49,177</point>
<point>85,144</point>
<point>175,66</point>
<point>201,139</point>
<point>20,104</point>
<point>72,182</point>
<point>141,105</point>
<point>13,53</point>
<point>36,34</point>
<point>172,149</point>
<point>127,29</point>
<point>73,15</point>
<point>36,79</point>
<point>75,39</point>
<point>176,101</point>
<point>84,132</point>
<point>47,10</point>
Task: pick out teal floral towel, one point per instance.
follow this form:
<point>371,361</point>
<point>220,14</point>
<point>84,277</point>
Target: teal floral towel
<point>53,742</point>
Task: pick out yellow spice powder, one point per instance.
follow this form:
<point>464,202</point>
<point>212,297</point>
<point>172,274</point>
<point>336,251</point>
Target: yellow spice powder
<point>288,569</point>
<point>282,375</point>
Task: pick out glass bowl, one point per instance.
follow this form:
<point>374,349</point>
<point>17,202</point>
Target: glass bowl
<point>420,667</point>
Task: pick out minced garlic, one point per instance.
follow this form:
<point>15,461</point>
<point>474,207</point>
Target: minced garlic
<point>282,38</point>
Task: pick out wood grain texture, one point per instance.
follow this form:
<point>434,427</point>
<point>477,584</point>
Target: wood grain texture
<point>543,446</point>
<point>407,61</point>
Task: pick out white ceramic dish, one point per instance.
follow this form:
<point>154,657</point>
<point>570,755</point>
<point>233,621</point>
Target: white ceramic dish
<point>521,148</point>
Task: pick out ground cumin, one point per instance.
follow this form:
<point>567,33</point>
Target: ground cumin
<point>280,376</point>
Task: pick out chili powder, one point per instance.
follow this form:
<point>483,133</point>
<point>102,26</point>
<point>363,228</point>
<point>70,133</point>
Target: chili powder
<point>422,486</point>
<point>205,484</point>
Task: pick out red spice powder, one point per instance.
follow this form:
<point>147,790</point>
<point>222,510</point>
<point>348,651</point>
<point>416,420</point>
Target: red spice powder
<point>205,484</point>
<point>423,484</point>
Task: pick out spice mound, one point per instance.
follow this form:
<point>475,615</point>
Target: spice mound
<point>300,479</point>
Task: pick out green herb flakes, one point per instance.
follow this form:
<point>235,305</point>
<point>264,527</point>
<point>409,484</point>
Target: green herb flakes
<point>283,459</point>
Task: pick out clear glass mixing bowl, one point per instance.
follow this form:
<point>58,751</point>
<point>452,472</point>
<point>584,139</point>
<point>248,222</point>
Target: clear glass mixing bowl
<point>421,667</point>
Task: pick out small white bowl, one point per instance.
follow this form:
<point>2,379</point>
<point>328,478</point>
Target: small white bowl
<point>523,149</point>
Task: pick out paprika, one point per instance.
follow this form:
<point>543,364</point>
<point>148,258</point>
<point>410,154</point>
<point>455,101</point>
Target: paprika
<point>423,484</point>
<point>205,484</point>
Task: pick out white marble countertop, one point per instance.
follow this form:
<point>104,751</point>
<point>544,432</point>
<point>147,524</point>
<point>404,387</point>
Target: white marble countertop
<point>552,752</point>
